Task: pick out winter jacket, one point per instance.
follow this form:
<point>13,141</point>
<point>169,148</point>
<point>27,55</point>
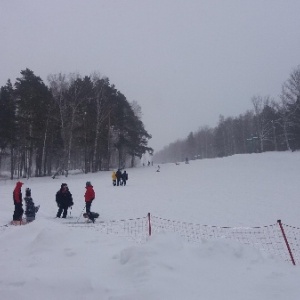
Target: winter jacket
<point>64,198</point>
<point>125,176</point>
<point>89,195</point>
<point>17,194</point>
<point>114,176</point>
<point>119,174</point>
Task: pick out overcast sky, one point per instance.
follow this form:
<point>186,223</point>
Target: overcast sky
<point>185,62</point>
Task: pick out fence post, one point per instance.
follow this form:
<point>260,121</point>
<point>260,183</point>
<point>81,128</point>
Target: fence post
<point>286,242</point>
<point>149,224</point>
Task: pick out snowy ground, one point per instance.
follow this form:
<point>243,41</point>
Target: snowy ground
<point>47,259</point>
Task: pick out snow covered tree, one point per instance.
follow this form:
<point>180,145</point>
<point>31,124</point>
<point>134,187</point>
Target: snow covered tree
<point>33,103</point>
<point>290,98</point>
<point>7,123</point>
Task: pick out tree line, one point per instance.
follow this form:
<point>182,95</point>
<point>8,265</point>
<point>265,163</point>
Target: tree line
<point>73,123</point>
<point>272,125</point>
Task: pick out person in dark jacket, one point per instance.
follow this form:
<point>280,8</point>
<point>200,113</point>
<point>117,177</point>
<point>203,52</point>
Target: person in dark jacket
<point>17,196</point>
<point>119,176</point>
<point>30,209</point>
<point>64,200</point>
<point>89,196</point>
<point>124,177</point>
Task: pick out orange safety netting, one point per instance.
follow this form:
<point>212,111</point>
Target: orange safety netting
<point>267,239</point>
<point>133,229</point>
<point>278,239</point>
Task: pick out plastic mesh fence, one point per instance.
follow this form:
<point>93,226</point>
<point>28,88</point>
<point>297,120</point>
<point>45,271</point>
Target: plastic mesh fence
<point>133,229</point>
<point>293,237</point>
<point>268,239</point>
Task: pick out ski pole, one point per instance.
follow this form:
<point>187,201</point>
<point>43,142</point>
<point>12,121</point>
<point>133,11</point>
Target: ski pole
<point>80,214</point>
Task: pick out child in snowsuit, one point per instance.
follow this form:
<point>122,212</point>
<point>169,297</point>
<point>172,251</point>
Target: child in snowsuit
<point>31,209</point>
<point>89,196</point>
<point>64,200</point>
<point>114,178</point>
<point>17,196</point>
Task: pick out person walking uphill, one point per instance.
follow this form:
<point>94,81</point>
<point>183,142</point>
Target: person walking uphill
<point>114,178</point>
<point>124,177</point>
<point>64,200</point>
<point>17,196</point>
<point>119,176</point>
<point>89,196</point>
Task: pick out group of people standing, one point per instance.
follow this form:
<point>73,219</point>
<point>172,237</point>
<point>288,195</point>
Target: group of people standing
<point>64,201</point>
<point>119,178</point>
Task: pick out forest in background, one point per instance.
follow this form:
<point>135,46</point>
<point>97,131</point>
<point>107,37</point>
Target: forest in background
<point>272,125</point>
<point>73,123</point>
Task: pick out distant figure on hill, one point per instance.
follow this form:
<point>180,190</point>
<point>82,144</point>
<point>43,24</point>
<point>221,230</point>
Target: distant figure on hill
<point>114,178</point>
<point>119,176</point>
<point>124,178</point>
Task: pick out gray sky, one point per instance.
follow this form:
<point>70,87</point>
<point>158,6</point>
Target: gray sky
<point>185,62</point>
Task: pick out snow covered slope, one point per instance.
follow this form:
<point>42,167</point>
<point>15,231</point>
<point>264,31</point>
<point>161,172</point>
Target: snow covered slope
<point>50,260</point>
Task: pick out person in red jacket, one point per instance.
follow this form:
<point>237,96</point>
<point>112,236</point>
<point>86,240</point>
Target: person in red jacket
<point>89,196</point>
<point>17,196</point>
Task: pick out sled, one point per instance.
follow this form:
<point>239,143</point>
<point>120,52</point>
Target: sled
<point>91,216</point>
<point>18,222</point>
